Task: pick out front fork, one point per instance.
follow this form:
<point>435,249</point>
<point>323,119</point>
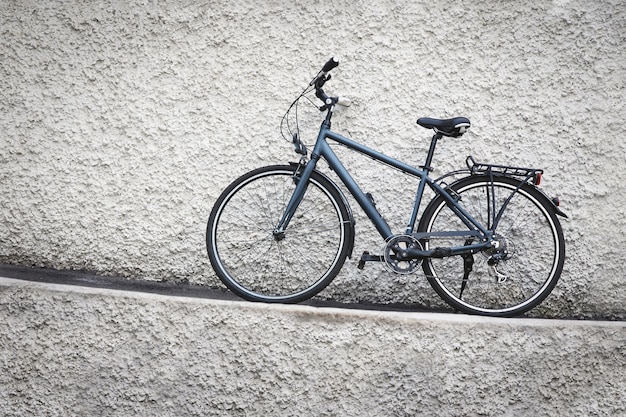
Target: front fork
<point>301,178</point>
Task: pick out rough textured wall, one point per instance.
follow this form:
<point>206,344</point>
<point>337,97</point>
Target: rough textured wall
<point>102,353</point>
<point>122,121</point>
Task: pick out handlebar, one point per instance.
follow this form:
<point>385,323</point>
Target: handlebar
<point>329,103</point>
<point>332,63</point>
<point>319,81</point>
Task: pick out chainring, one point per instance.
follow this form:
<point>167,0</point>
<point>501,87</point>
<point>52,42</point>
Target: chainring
<point>393,258</point>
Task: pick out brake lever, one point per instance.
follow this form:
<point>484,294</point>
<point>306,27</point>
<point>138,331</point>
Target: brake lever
<point>320,81</point>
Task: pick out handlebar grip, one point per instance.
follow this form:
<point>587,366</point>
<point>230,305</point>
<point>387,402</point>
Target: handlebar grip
<point>320,78</point>
<point>332,63</point>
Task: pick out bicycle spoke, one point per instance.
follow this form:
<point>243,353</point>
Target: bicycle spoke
<point>527,269</point>
<point>257,265</point>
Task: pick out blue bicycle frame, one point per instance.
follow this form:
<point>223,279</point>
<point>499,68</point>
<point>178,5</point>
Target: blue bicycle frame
<point>323,150</point>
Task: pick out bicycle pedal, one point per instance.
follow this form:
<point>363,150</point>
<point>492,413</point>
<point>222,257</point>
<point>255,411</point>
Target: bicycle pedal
<point>366,257</point>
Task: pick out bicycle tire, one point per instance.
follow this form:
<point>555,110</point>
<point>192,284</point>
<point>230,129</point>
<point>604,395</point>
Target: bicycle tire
<point>531,232</point>
<point>257,267</point>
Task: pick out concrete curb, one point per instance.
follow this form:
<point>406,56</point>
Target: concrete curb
<point>321,311</point>
<point>69,350</point>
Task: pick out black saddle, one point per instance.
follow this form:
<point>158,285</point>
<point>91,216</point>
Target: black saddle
<point>448,127</point>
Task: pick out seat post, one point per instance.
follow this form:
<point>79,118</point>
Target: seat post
<point>431,151</point>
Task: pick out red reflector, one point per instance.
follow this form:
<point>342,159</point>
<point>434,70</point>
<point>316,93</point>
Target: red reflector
<point>538,177</point>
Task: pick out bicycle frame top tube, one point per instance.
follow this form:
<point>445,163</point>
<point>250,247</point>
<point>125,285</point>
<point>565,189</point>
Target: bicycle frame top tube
<point>322,149</point>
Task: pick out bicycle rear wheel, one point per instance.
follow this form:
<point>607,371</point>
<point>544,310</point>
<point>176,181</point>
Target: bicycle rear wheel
<point>531,236</point>
<point>258,266</point>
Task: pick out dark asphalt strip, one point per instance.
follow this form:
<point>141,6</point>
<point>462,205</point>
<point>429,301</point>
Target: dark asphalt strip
<point>89,279</point>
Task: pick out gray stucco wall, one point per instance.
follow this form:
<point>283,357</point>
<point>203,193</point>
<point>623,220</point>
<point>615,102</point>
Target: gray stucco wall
<point>121,122</point>
<point>71,351</point>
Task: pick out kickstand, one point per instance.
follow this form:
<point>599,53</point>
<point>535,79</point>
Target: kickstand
<point>468,266</point>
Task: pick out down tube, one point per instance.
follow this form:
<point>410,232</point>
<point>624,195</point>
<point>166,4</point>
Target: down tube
<point>381,225</point>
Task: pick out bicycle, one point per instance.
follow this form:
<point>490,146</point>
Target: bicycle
<point>489,243</point>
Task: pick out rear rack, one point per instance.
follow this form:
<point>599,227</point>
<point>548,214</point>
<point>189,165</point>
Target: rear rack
<point>503,170</point>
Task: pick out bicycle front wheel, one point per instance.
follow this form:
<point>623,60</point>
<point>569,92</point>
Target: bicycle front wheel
<point>528,234</point>
<point>258,266</point>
